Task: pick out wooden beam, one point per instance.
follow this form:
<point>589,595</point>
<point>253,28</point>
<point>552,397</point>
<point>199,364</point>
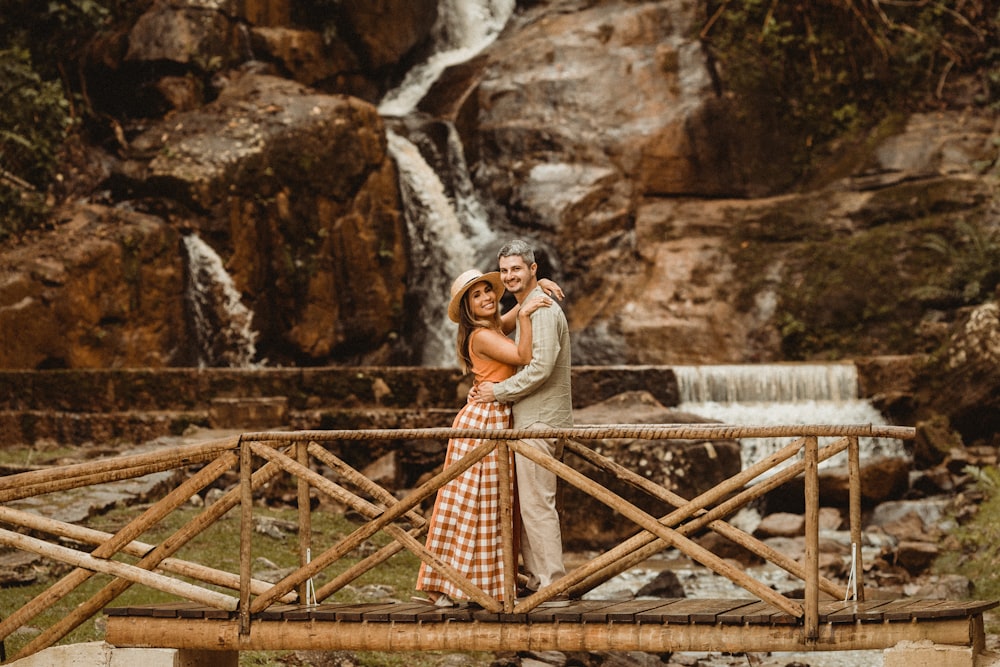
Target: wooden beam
<point>130,631</point>
<point>118,569</point>
<point>208,575</point>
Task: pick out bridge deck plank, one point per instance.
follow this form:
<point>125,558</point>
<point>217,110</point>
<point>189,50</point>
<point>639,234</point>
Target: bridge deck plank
<point>675,611</point>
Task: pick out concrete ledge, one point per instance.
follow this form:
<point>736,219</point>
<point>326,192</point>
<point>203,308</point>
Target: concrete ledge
<point>925,653</point>
<point>252,414</point>
<point>102,654</point>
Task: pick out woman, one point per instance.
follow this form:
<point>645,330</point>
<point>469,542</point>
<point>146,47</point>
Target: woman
<point>464,529</point>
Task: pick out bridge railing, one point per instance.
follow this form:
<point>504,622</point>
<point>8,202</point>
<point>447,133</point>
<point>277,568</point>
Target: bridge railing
<point>261,457</point>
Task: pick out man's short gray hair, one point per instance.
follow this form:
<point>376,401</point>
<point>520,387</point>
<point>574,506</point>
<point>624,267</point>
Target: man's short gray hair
<point>519,248</point>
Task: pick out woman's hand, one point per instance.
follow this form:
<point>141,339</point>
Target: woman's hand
<point>533,304</point>
<point>551,288</point>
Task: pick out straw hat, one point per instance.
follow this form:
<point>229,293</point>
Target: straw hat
<point>465,281</point>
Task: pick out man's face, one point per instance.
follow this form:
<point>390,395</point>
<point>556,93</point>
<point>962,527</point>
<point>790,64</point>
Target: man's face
<point>518,277</point>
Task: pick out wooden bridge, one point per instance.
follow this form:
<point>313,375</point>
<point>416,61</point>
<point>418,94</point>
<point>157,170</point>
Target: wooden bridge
<point>293,614</point>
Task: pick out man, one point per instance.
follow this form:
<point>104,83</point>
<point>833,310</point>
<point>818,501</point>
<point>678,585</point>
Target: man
<point>541,395</point>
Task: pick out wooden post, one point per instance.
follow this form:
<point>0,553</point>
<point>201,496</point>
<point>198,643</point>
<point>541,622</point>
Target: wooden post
<point>360,481</point>
<point>362,566</point>
<point>812,538</point>
<point>695,524</point>
<point>305,518</point>
<point>115,568</point>
<point>37,482</point>
<point>246,534</point>
<point>373,512</point>
<point>643,545</point>
<point>854,468</point>
<point>506,473</point>
<point>208,575</point>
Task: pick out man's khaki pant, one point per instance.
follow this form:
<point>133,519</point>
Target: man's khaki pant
<point>541,536</point>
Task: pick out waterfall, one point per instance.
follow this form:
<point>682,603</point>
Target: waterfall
<point>222,324</point>
<point>463,29</point>
<point>763,394</point>
<point>447,227</point>
<point>439,250</point>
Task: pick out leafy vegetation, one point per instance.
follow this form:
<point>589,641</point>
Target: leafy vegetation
<point>970,257</point>
<point>824,68</point>
<point>41,40</point>
<point>33,122</point>
<point>973,549</point>
<point>42,94</point>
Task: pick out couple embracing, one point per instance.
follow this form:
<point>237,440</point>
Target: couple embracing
<point>520,383</point>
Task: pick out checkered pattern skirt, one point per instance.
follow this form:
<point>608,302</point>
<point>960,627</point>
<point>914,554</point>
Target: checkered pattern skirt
<point>464,529</point>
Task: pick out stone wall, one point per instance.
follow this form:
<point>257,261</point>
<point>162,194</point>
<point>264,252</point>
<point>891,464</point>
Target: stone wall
<point>75,406</point>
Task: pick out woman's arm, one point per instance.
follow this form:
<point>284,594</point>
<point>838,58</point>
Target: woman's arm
<point>494,345</point>
<point>509,319</point>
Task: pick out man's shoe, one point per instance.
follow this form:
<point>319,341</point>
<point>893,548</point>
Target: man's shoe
<point>558,601</point>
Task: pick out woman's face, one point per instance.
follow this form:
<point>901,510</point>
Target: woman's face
<point>482,301</point>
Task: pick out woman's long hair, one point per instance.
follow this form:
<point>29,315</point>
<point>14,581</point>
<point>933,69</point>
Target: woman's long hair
<point>467,324</point>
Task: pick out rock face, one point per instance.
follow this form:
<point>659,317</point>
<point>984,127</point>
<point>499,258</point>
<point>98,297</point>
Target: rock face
<point>966,384</point>
<point>98,295</point>
<point>293,188</point>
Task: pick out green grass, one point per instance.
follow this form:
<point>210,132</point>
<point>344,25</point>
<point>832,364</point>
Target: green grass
<point>35,455</point>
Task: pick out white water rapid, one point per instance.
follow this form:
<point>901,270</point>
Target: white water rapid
<point>448,229</point>
<point>463,29</point>
<point>222,323</point>
<point>762,394</point>
<point>439,249</point>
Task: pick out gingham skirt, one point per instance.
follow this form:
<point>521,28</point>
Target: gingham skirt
<point>464,529</point>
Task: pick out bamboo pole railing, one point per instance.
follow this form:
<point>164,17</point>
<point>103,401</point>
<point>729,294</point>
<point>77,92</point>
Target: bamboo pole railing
<point>259,458</point>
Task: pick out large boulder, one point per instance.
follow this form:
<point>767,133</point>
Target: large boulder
<point>104,290</point>
<point>964,382</point>
<point>298,192</point>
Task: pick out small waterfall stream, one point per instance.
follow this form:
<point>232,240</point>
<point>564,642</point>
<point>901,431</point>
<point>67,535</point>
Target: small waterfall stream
<point>763,394</point>
<point>439,249</point>
<point>222,323</point>
<point>463,29</point>
<point>448,229</point>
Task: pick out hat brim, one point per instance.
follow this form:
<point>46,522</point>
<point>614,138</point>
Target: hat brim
<point>493,278</point>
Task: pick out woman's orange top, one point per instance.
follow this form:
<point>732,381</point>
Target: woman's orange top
<point>488,370</point>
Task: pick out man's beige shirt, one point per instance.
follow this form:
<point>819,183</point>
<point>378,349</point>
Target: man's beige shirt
<point>541,391</point>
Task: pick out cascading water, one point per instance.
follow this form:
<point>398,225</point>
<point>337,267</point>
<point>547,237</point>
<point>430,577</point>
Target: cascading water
<point>762,394</point>
<point>448,228</point>
<point>438,247</point>
<point>222,324</point>
<point>463,29</point>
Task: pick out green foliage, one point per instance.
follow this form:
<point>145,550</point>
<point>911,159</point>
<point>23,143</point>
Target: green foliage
<point>974,551</point>
<point>970,263</point>
<point>841,297</point>
<point>825,66</point>
<point>42,45</point>
<point>34,119</point>
<point>53,31</point>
